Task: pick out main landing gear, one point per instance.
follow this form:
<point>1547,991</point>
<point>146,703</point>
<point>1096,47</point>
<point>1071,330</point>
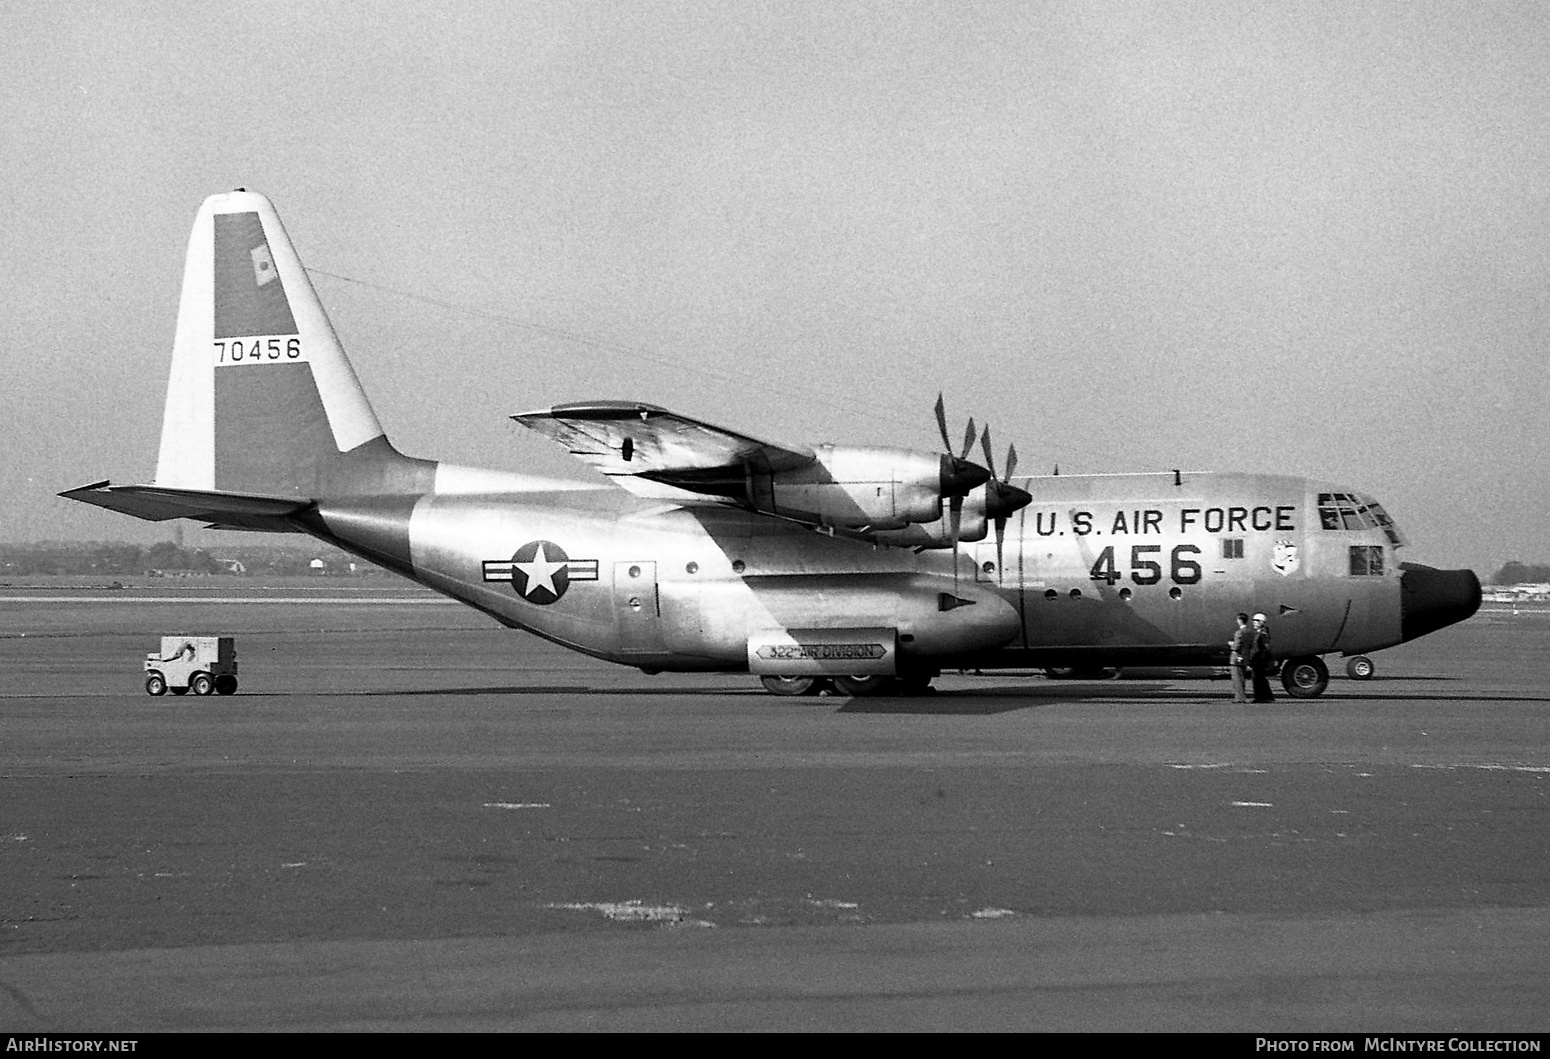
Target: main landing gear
<point>794,685</point>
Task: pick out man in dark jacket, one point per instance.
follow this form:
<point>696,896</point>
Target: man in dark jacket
<point>1260,660</point>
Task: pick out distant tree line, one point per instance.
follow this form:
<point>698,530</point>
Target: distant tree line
<point>117,557</point>
<point>1516,573</point>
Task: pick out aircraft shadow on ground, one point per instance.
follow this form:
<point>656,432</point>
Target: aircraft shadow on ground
<point>1010,698</point>
<point>987,700</point>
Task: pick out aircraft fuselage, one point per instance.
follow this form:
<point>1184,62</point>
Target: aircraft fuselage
<point>1101,570</point>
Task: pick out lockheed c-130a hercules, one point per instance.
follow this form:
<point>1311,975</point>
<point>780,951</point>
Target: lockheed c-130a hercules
<point>864,569</point>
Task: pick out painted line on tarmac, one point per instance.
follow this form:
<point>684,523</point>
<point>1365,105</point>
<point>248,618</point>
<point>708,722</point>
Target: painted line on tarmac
<point>1489,768</point>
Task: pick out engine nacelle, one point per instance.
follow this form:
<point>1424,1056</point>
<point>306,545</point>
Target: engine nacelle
<point>973,525</point>
<point>993,500</point>
<point>865,488</point>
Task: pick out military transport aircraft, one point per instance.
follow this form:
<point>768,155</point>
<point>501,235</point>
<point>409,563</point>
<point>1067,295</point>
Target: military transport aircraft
<point>868,570</point>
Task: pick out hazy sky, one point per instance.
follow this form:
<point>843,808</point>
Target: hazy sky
<point>1302,238</point>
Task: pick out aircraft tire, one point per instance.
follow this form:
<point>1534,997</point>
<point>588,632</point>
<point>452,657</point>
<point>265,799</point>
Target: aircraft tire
<point>201,684</point>
<point>226,685</point>
<point>1360,667</point>
<point>791,686</point>
<point>156,684</point>
<point>1305,677</point>
<point>864,687</point>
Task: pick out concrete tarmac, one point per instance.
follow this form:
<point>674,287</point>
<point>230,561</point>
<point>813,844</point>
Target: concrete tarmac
<point>409,818</point>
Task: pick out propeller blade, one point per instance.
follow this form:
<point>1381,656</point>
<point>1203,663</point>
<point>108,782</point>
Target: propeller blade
<point>1000,542</point>
<point>968,440</point>
<point>941,422</point>
<point>954,524</point>
<point>990,460</point>
<point>1011,461</point>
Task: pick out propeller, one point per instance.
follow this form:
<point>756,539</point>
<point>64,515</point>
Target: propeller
<point>1001,496</point>
<point>960,477</point>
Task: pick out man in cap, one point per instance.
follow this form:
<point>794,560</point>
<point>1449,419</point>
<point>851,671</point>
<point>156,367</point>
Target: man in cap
<point>1260,660</point>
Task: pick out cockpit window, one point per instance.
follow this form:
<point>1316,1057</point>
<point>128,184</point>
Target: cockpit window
<point>1366,560</point>
<point>1352,511</point>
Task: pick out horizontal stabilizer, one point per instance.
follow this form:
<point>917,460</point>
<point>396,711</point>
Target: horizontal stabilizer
<point>626,439</point>
<point>229,510</point>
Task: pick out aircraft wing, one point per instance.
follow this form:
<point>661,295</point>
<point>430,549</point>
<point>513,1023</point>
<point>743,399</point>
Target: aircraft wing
<point>223,510</point>
<point>643,447</point>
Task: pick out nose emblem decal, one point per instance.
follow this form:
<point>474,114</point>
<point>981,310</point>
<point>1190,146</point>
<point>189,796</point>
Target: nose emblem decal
<point>540,571</point>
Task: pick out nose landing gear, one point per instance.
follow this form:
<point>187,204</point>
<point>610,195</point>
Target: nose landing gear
<point>1360,667</point>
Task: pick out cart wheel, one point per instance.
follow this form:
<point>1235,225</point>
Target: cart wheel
<point>156,684</point>
<point>226,685</point>
<point>201,684</point>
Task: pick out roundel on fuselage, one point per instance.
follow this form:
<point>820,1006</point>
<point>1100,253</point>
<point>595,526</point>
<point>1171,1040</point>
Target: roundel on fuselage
<point>540,572</point>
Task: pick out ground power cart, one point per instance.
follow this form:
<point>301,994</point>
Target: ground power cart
<point>200,664</point>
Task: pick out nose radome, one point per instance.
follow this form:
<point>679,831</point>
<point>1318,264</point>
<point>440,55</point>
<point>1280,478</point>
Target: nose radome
<point>1433,599</point>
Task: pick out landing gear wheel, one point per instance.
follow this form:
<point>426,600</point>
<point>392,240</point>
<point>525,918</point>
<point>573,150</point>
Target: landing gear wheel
<point>156,684</point>
<point>1360,667</point>
<point>792,685</point>
<point>1304,678</point>
<point>862,687</point>
<point>201,684</point>
<point>225,685</point>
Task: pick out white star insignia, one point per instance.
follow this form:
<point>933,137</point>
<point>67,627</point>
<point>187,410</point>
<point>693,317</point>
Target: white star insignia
<point>540,572</point>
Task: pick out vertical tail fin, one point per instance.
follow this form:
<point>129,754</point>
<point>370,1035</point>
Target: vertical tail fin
<point>261,397</point>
